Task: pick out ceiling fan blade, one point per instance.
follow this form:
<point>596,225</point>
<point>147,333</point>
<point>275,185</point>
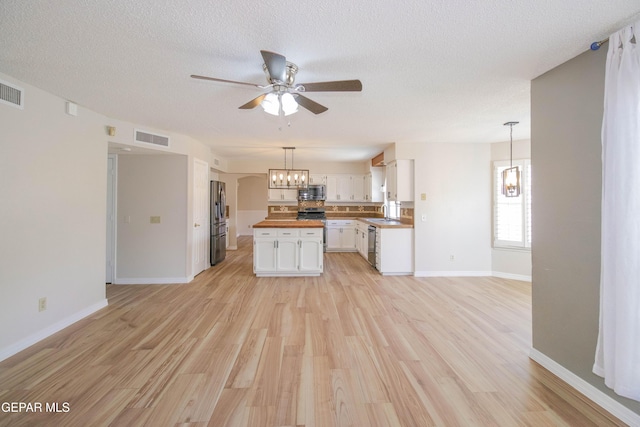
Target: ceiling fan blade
<point>253,103</point>
<point>227,81</point>
<point>276,65</point>
<point>336,86</point>
<point>310,105</point>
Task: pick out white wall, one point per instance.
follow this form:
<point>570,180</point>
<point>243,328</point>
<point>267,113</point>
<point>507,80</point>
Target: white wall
<point>456,179</point>
<point>152,185</point>
<point>252,203</point>
<point>53,170</point>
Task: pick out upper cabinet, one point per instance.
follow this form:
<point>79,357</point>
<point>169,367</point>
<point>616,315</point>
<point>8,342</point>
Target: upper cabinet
<point>374,191</point>
<point>346,188</point>
<point>317,179</point>
<point>283,195</point>
<point>400,180</point>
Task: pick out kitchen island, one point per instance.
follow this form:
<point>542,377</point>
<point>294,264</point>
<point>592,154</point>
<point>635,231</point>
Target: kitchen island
<point>288,248</point>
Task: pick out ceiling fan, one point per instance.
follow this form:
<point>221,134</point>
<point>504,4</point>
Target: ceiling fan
<point>285,95</point>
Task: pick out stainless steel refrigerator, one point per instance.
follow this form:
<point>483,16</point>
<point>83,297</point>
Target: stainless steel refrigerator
<point>218,222</point>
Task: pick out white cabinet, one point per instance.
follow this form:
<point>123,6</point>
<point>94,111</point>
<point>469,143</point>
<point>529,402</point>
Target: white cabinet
<point>348,187</point>
<point>373,186</point>
<point>341,235</point>
<point>338,188</point>
<point>400,180</point>
<point>317,179</point>
<point>287,254</point>
<point>358,190</point>
<point>394,251</point>
<point>264,249</point>
<point>362,239</point>
<point>287,251</point>
<point>283,195</point>
<point>345,188</point>
<point>311,255</point>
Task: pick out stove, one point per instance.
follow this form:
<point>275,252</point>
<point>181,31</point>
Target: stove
<point>318,214</point>
<point>308,213</point>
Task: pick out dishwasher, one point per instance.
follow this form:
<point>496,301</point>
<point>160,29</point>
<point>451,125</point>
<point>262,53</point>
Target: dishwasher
<point>371,246</point>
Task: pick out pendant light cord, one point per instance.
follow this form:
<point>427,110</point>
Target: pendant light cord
<point>511,146</point>
<point>511,124</point>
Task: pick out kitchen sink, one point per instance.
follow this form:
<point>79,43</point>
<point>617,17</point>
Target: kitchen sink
<point>384,221</point>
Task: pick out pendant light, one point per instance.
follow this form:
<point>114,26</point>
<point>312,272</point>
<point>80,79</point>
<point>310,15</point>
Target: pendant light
<point>511,175</point>
<point>288,178</point>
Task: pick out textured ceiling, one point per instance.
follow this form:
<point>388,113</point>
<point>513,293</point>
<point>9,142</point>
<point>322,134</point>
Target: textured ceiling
<point>432,71</point>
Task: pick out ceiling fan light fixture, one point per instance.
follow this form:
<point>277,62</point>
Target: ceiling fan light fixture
<point>289,104</point>
<point>271,104</point>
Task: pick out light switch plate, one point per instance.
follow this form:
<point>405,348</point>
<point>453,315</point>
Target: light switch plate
<point>423,196</point>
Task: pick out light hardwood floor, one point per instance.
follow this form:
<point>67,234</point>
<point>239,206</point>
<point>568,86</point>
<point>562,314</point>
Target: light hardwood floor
<point>348,348</point>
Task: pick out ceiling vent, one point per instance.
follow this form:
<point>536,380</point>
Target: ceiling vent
<point>11,95</point>
<point>150,138</point>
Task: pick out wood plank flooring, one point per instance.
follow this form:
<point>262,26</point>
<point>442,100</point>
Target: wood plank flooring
<point>349,348</point>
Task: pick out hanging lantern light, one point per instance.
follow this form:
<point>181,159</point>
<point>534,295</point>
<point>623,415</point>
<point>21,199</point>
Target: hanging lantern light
<point>288,177</point>
<point>511,175</point>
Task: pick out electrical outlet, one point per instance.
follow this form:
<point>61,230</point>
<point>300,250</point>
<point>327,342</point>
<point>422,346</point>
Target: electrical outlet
<point>154,220</point>
<point>42,304</point>
<point>452,258</point>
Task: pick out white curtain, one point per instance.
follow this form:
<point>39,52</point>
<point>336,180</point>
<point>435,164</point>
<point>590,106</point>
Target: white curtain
<point>618,350</point>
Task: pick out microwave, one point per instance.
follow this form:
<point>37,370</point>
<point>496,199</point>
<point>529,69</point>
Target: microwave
<point>312,192</point>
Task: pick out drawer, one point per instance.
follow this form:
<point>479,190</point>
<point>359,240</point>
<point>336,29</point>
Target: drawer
<point>265,232</point>
<point>340,222</point>
<point>311,232</point>
<point>288,232</point>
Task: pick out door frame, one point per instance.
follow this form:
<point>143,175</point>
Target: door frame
<point>195,268</point>
<point>111,223</point>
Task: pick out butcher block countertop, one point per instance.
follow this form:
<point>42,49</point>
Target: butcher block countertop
<point>382,223</point>
<point>285,223</point>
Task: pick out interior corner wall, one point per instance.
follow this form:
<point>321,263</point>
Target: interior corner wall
<point>148,186</point>
<point>456,182</point>
<point>53,174</point>
<point>566,117</point>
<point>252,203</point>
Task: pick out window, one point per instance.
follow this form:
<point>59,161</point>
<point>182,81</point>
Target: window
<point>512,215</point>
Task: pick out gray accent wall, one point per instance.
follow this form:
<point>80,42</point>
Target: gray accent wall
<point>566,118</point>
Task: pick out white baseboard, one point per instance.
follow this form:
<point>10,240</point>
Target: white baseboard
<point>50,330</point>
<point>452,273</point>
<point>151,280</point>
<point>521,277</point>
<point>609,404</point>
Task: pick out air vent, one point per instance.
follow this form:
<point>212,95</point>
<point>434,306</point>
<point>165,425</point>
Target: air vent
<point>150,138</point>
<point>11,95</point>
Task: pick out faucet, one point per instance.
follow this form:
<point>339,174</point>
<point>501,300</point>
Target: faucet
<point>384,211</point>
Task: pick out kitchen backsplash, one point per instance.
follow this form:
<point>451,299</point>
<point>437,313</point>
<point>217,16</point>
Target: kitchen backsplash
<point>337,211</point>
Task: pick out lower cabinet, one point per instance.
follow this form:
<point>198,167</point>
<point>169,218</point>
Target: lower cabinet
<point>362,239</point>
<point>341,235</point>
<point>394,251</point>
<point>287,251</point>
